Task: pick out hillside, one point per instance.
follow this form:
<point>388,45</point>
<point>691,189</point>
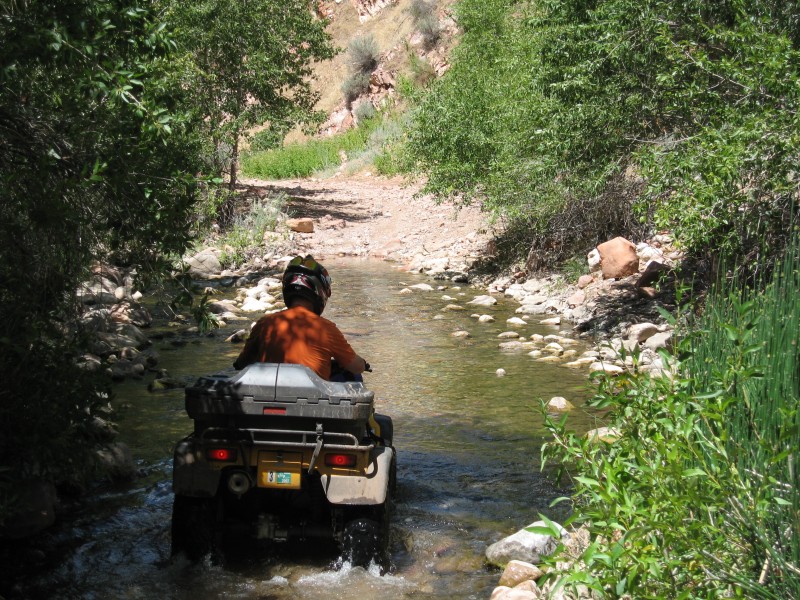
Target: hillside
<point>392,26</point>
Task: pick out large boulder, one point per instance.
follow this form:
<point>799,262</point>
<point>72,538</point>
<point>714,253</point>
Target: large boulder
<point>301,225</point>
<point>205,263</point>
<point>618,258</point>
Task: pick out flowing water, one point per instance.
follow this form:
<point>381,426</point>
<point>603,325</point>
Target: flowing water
<point>468,459</point>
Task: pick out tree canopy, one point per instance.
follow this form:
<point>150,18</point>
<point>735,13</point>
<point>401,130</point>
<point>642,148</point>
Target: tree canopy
<point>655,113</point>
<point>107,108</point>
<point>249,64</point>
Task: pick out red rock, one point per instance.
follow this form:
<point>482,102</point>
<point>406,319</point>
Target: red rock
<point>618,258</point>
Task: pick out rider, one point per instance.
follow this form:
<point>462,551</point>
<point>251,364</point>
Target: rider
<point>299,334</point>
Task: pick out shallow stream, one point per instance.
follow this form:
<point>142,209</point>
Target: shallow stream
<point>468,459</point>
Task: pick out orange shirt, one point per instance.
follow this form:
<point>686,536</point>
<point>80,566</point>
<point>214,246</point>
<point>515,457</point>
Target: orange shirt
<point>299,336</point>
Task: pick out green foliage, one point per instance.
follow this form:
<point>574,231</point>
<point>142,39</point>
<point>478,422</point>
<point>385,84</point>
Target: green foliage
<point>551,105</point>
<point>214,207</point>
<point>269,138</point>
<point>422,72</point>
<point>301,160</point>
<point>363,55</point>
<point>242,70</point>
<point>364,112</point>
<point>248,229</point>
<point>94,160</point>
<point>698,498</point>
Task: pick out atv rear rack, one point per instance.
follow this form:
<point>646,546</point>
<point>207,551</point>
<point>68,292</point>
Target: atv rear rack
<point>293,439</point>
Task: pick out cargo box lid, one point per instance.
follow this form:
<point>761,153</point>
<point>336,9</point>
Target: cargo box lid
<point>275,382</point>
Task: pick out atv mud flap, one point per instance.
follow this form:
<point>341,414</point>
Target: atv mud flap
<point>192,476</point>
<point>368,489</point>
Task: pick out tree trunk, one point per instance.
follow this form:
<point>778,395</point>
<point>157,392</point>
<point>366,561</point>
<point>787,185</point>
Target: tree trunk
<point>234,164</point>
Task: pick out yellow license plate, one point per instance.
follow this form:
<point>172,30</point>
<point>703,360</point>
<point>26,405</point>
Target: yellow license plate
<point>280,470</point>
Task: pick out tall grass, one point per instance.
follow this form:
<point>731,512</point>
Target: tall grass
<point>698,498</point>
<point>304,159</point>
<point>749,352</point>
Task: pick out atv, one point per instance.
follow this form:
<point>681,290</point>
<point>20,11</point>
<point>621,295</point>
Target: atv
<point>278,453</point>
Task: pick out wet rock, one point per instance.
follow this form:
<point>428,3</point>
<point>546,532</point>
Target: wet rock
<point>237,337</point>
<point>486,319</point>
<point>516,321</point>
<point>162,384</point>
<point>454,307</point>
<point>424,287</point>
<point>116,460</point>
<point>500,372</point>
<point>222,307</point>
<point>460,334</point>
<point>513,346</point>
<point>508,335</point>
<point>560,404</point>
<point>523,545</point>
<point>518,571</point>
<point>483,301</point>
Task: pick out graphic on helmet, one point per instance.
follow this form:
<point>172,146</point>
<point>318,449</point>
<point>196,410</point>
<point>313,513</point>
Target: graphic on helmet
<point>306,278</point>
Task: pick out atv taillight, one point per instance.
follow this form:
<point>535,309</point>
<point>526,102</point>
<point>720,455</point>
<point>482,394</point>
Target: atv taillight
<point>221,454</point>
<point>340,460</point>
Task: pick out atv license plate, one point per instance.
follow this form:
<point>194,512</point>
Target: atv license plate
<point>279,470</point>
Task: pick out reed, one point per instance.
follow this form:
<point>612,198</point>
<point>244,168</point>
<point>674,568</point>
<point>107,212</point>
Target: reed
<point>749,355</point>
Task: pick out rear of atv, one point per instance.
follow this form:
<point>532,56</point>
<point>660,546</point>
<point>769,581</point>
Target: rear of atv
<point>279,454</point>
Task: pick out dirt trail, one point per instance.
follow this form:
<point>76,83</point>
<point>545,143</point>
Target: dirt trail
<point>370,216</point>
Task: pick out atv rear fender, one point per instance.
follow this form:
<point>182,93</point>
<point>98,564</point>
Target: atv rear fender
<point>368,490</point>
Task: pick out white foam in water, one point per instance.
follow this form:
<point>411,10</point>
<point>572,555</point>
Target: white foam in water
<point>348,579</point>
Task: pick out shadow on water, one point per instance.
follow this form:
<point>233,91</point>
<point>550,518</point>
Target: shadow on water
<point>468,463</point>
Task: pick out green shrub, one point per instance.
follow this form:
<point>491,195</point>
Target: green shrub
<point>302,160</point>
<point>364,111</point>
<point>422,72</point>
<point>421,9</point>
<point>354,86</point>
<point>363,54</point>
<point>248,229</point>
<point>430,30</point>
<point>269,138</point>
<point>699,497</point>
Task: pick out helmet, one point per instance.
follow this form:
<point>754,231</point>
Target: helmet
<point>306,278</point>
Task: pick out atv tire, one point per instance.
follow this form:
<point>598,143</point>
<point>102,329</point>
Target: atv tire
<point>194,530</point>
<point>366,538</point>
